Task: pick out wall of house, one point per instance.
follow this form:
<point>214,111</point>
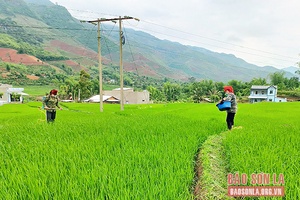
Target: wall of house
<point>271,93</point>
<point>136,97</point>
<point>268,94</point>
<point>130,97</point>
<point>6,95</point>
<point>258,95</point>
<point>256,100</point>
<point>277,99</point>
<point>258,92</point>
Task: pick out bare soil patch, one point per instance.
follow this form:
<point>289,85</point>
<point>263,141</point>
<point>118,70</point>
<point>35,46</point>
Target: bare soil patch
<point>80,51</point>
<point>12,56</point>
<point>33,77</point>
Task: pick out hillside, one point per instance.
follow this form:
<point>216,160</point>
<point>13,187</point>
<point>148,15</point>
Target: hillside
<point>66,41</point>
<point>291,69</point>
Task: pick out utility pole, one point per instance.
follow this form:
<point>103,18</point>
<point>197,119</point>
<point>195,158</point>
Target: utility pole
<point>98,21</point>
<point>99,63</point>
<point>100,69</point>
<point>121,65</point>
<point>121,59</point>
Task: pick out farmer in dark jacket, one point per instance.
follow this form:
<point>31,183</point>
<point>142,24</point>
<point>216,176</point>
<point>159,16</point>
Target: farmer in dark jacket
<point>230,96</point>
<point>50,103</point>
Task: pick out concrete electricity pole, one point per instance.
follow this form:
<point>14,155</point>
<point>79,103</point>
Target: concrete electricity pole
<point>121,65</point>
<point>98,21</point>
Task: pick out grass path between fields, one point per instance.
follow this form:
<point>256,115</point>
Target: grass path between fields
<point>211,170</point>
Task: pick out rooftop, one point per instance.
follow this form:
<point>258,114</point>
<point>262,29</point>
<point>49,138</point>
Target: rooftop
<point>262,87</point>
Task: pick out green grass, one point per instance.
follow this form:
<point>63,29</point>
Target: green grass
<point>37,90</point>
<point>143,152</point>
<point>212,169</point>
<point>41,90</point>
<point>267,143</point>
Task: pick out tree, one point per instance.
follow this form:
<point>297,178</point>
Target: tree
<point>197,92</point>
<point>192,79</point>
<point>63,91</point>
<point>298,71</point>
<point>95,86</point>
<point>292,83</point>
<point>84,84</point>
<point>278,79</point>
<point>128,81</point>
<point>214,94</point>
<point>15,96</point>
<point>258,81</point>
<point>67,88</point>
<point>171,91</point>
<point>7,67</point>
<point>238,87</point>
<point>155,94</point>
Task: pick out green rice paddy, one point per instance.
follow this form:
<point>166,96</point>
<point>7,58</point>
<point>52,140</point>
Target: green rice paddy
<point>143,152</point>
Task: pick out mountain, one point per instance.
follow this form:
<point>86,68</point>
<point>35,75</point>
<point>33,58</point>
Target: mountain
<point>45,25</point>
<point>40,2</point>
<point>291,69</point>
<point>180,62</point>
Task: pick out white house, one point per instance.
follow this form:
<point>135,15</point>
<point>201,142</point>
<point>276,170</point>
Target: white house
<point>3,93</point>
<point>106,99</point>
<point>7,92</point>
<point>130,96</point>
<point>260,93</point>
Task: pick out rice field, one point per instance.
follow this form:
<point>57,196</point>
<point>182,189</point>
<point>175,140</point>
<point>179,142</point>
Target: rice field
<point>268,143</point>
<point>143,152</point>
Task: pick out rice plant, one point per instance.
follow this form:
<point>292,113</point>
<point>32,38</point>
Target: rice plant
<point>143,152</point>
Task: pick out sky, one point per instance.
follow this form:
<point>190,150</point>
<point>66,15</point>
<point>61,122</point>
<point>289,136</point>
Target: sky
<point>261,32</point>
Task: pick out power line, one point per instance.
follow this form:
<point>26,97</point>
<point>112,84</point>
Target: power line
<point>106,44</point>
<point>222,47</point>
<point>244,52</point>
<point>200,36</point>
<point>216,40</point>
<point>85,29</point>
<point>42,27</point>
<point>132,54</point>
<point>98,21</point>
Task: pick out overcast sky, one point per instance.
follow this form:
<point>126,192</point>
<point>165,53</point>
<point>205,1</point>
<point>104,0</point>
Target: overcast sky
<point>262,32</point>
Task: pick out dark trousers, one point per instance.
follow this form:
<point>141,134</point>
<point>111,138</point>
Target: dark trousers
<point>50,116</point>
<point>230,120</point>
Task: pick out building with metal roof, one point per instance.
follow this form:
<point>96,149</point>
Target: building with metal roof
<point>259,93</point>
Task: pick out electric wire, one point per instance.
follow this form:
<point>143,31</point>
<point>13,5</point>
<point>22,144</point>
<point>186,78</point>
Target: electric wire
<point>86,29</point>
<point>106,43</point>
<point>222,47</point>
<point>216,40</point>
<point>212,39</point>
<point>108,47</point>
<point>131,53</point>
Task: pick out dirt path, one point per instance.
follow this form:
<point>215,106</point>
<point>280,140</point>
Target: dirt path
<point>211,172</point>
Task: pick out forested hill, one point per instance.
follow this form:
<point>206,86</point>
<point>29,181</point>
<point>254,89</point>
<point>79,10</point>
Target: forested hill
<point>40,2</point>
<point>50,33</point>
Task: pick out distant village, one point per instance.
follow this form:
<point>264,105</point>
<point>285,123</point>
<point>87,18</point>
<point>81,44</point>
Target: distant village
<point>9,94</point>
<point>258,93</point>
